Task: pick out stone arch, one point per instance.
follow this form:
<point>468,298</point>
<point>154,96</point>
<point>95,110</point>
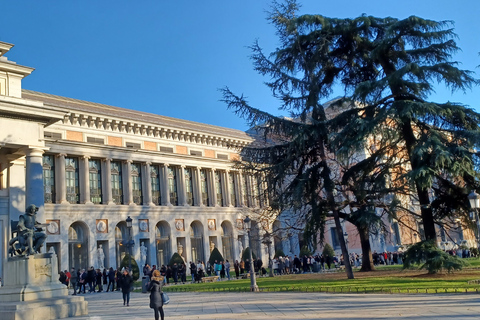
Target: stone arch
<point>78,245</point>
<point>121,237</point>
<point>163,239</point>
<point>277,235</point>
<point>196,241</point>
<point>227,240</point>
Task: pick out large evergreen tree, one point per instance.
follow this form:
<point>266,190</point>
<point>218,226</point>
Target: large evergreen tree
<point>387,68</point>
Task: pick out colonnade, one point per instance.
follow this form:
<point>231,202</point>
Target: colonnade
<point>230,198</point>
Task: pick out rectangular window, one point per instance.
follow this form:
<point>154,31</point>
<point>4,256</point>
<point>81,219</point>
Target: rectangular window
<point>117,187</point>
<point>48,178</point>
<point>196,153</point>
<point>71,177</point>
<point>335,240</point>
<point>232,189</point>
<point>218,188</point>
<point>188,186</point>
<point>256,192</point>
<point>166,149</point>
<point>95,178</point>
<point>172,186</point>
<point>204,186</point>
<point>133,145</point>
<point>222,156</point>
<point>137,183</point>
<point>155,181</point>
<point>396,231</point>
<point>95,140</point>
<point>52,135</point>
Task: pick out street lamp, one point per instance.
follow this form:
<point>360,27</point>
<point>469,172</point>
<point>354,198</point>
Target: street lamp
<point>268,242</point>
<point>130,242</point>
<point>253,282</point>
<point>474,199</point>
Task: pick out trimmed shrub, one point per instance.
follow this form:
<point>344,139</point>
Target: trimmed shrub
<point>279,253</point>
<point>135,269</point>
<point>305,251</point>
<point>176,258</point>
<point>426,255</point>
<point>246,254</point>
<point>328,251</point>
<point>215,255</point>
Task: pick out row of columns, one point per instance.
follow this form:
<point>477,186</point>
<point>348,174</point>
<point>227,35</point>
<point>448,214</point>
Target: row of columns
<point>84,183</point>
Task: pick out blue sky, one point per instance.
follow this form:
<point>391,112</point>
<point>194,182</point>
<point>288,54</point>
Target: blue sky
<point>170,57</point>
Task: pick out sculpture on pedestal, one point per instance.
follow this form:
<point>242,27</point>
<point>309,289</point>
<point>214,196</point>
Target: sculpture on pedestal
<point>143,254</point>
<point>100,257</point>
<point>29,236</point>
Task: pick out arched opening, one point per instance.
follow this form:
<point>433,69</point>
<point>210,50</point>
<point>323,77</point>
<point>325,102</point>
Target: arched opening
<point>78,246</point>
<point>196,241</point>
<point>277,235</point>
<point>227,240</point>
<point>255,239</point>
<point>162,237</point>
<point>121,237</point>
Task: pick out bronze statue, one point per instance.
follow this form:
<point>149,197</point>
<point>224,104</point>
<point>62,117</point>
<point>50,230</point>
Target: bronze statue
<point>30,237</point>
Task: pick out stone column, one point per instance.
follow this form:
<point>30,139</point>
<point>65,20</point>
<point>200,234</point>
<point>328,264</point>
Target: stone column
<point>226,188</point>
<point>60,179</point>
<point>188,250</point>
<point>147,185</point>
<point>16,184</point>
<point>164,188</point>
<point>241,202</point>
<point>127,182</point>
<point>237,186</point>
<point>182,194</point>
<point>107,182</point>
<point>197,188</point>
<point>85,180</point>
<point>211,187</point>
<point>34,180</point>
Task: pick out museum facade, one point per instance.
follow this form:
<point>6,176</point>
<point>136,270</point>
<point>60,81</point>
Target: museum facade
<point>90,166</point>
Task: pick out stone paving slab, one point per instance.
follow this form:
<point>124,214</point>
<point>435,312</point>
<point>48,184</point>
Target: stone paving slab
<point>287,305</point>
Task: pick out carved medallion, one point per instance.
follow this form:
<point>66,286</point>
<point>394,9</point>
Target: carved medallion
<point>143,225</point>
<point>211,224</point>
<point>53,227</point>
<point>179,225</point>
<point>102,226</point>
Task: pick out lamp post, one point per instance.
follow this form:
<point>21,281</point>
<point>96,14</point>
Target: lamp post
<point>129,244</point>
<point>253,281</point>
<point>268,242</point>
<point>474,199</point>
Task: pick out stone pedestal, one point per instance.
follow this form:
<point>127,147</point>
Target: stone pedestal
<point>32,290</point>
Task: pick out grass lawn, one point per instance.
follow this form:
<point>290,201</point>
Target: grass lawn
<point>387,279</point>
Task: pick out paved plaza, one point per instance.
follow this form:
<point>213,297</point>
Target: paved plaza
<point>287,305</point>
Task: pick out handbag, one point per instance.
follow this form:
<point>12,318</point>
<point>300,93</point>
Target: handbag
<point>165,298</point>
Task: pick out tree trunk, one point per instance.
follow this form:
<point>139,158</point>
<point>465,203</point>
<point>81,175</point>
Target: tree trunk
<point>422,193</point>
<point>367,260</point>
<point>343,245</point>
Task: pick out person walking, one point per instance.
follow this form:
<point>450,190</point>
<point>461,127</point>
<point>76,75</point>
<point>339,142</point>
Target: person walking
<point>111,279</point>
<point>73,280</point>
<point>155,289</point>
<point>227,269</point>
<point>126,283</point>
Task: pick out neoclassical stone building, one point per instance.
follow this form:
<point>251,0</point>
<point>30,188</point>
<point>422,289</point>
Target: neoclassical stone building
<point>89,166</point>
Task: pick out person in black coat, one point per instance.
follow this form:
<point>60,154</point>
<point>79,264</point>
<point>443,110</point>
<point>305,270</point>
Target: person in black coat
<point>126,284</point>
<point>155,289</point>
<point>111,279</point>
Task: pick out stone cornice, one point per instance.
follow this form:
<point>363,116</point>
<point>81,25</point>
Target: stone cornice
<point>117,124</point>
